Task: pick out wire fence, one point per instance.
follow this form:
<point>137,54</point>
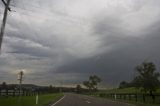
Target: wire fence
<point>6,93</point>
<point>145,98</point>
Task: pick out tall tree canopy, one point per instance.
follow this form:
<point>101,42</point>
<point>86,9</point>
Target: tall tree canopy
<point>92,83</point>
<point>147,78</point>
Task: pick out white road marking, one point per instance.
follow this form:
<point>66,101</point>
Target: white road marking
<point>58,101</point>
<point>88,101</point>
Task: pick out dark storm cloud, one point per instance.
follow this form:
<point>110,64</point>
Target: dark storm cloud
<point>22,47</point>
<point>128,52</point>
<point>68,40</point>
<point>119,64</point>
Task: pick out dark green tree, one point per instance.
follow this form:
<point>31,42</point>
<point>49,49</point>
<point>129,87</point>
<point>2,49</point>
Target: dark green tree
<point>92,83</point>
<point>78,88</point>
<point>147,78</point>
<point>88,85</point>
<point>123,84</point>
<point>4,85</point>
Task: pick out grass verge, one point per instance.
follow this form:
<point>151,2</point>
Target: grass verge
<point>44,100</point>
<point>127,100</point>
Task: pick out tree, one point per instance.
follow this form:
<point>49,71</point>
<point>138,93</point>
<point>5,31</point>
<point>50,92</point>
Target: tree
<point>92,83</point>
<point>4,85</point>
<point>78,88</point>
<point>50,88</point>
<point>147,78</point>
<point>123,84</point>
<point>88,85</point>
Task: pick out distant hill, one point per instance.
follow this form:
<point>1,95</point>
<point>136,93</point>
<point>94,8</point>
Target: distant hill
<point>27,86</point>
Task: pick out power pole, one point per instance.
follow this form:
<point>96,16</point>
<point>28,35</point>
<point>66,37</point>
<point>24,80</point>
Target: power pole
<point>20,78</point>
<point>4,20</point>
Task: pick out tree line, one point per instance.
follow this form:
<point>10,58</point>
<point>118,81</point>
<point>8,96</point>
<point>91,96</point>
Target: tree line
<point>147,79</point>
<point>91,84</point>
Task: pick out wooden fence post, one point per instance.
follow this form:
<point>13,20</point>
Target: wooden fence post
<point>153,98</point>
<point>7,92</point>
<point>14,92</point>
<point>144,99</point>
<point>136,97</point>
<point>124,97</point>
<point>129,96</point>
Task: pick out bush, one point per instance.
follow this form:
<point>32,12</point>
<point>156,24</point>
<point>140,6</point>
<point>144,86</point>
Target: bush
<point>102,94</point>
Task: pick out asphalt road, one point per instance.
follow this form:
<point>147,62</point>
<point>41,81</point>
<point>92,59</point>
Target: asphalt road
<point>82,100</point>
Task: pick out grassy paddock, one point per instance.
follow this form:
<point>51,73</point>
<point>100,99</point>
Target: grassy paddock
<point>44,100</point>
<point>136,103</point>
<point>104,94</point>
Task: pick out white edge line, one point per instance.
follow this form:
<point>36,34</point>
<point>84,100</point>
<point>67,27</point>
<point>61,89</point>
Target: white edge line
<point>58,101</point>
<point>123,103</point>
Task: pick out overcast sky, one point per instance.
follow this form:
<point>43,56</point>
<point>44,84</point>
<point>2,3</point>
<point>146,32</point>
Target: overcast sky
<point>65,41</point>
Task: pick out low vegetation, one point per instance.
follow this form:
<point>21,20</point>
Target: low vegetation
<point>44,100</point>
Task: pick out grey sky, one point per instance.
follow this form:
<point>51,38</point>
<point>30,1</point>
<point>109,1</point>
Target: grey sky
<point>68,40</point>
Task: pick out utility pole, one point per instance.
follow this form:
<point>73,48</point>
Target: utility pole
<point>7,8</point>
<point>20,78</point>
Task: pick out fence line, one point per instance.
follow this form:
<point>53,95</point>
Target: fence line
<point>13,93</point>
<point>146,98</point>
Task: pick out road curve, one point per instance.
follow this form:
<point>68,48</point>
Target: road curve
<point>82,100</point>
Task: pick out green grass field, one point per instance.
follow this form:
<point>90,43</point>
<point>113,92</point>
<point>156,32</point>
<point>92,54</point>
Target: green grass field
<point>131,90</point>
<point>44,100</point>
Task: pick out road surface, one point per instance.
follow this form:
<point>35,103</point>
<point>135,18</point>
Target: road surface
<point>82,100</point>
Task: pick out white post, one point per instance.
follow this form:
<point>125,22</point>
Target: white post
<point>37,99</point>
<point>20,78</point>
<point>115,96</point>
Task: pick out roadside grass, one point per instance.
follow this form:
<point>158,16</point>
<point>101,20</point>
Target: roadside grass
<point>134,102</point>
<point>44,100</point>
<point>124,90</point>
<point>127,99</point>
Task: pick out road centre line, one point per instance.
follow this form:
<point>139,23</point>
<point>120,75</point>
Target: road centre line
<point>88,101</point>
<point>59,101</point>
